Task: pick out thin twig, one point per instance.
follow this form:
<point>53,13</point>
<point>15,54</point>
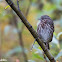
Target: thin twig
<point>33,45</point>
<point>18,5</point>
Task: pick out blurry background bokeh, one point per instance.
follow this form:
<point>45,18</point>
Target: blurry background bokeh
<point>10,47</point>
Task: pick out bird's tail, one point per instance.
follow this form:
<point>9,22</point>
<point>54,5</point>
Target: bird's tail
<point>48,46</point>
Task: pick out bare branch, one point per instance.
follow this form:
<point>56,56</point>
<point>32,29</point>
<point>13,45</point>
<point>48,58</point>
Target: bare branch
<point>18,5</point>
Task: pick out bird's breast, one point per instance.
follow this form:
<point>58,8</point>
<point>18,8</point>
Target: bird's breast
<point>45,32</point>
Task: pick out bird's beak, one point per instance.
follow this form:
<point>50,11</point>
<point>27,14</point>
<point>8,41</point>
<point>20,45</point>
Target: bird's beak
<point>39,19</point>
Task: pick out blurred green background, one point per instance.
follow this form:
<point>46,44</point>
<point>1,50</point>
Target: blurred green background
<point>10,47</point>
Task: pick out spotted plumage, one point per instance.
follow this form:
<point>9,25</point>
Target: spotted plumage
<point>45,29</point>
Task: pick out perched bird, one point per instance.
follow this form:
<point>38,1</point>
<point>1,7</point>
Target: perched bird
<point>45,29</point>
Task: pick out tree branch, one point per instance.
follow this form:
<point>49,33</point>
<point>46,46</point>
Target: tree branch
<point>18,5</point>
<point>32,31</point>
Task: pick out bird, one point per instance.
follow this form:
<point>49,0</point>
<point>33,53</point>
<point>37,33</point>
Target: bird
<point>45,30</point>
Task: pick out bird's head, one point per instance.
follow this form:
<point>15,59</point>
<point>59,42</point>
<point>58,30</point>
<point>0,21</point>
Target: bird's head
<point>44,17</point>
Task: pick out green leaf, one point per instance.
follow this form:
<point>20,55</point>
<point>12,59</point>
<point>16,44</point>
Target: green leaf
<point>35,55</point>
<point>59,55</point>
<point>55,34</point>
<point>7,6</point>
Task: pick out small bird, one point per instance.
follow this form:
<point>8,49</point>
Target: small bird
<point>45,29</point>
